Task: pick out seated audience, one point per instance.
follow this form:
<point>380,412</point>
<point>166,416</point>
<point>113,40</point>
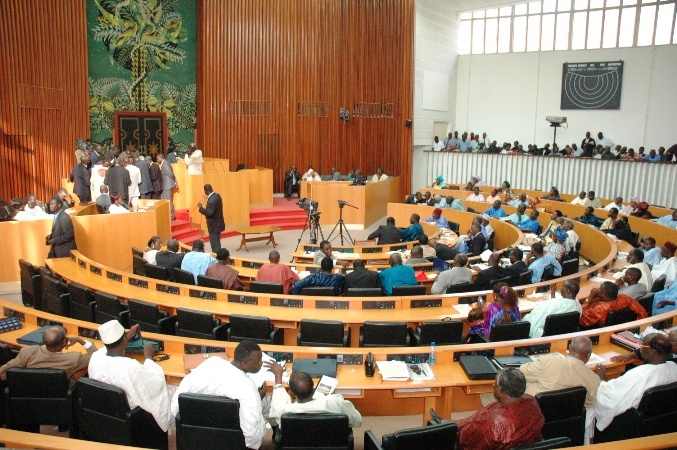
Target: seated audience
<point>621,230</point>
<point>52,355</point>
<point>635,259</point>
<point>580,200</point>
<point>144,384</point>
<point>197,261</point>
<point>514,419</point>
<point>617,203</point>
<point>170,258</point>
<point>414,230</point>
<point>494,197</point>
<point>664,301</point>
<point>496,211</point>
<point>642,211</point>
<point>476,242</point>
<point>592,201</point>
<point>610,222</point>
<point>154,246</point>
<point>603,300</point>
<point>416,256</point>
<point>567,303</point>
<point>229,276</point>
<point>518,216</point>
<point>397,275</point>
<point>531,223</point>
<point>323,278</point>
<point>508,194</point>
<point>439,183</point>
<point>668,265</point>
<point>104,200</point>
<point>325,251</point>
<point>218,377</point>
<point>413,199</point>
<point>361,277</point>
<point>460,273</point>
<point>542,260</point>
<point>34,208</point>
<point>630,208</point>
<point>668,221</point>
<point>494,272</point>
<point>554,372</point>
<point>277,273</point>
<point>616,396</point>
<point>437,219</point>
<point>517,265</point>
<point>485,225</point>
<point>428,248</point>
<point>387,234</point>
<point>117,206</point>
<point>557,246</point>
<point>379,176</point>
<point>443,251</point>
<point>652,254</point>
<point>555,221</point>
<point>629,283</point>
<point>303,388</point>
<point>476,196</point>
<point>454,203</point>
<point>589,217</point>
<point>552,195</point>
<point>522,200</point>
<point>572,236</point>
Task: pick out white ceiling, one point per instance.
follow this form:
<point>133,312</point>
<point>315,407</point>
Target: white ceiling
<point>466,5</point>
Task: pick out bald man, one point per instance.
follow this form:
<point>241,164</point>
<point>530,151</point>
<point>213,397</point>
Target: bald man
<point>277,273</point>
<point>52,355</point>
<point>553,372</point>
<point>302,386</point>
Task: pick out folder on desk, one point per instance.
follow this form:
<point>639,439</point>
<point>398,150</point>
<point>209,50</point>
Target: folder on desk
<point>627,340</point>
<point>512,361</point>
<point>34,337</point>
<point>478,367</point>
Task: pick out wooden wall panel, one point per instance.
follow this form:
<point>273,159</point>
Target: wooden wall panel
<point>43,94</point>
<point>257,59</point>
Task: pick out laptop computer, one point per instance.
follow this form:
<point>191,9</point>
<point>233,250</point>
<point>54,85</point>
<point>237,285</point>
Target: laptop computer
<point>316,367</point>
<point>34,337</point>
<point>478,367</point>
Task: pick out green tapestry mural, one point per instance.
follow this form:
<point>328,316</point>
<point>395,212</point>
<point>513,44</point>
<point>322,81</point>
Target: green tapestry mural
<point>142,58</point>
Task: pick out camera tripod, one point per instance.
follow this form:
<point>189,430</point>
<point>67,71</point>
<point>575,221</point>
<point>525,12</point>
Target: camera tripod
<point>313,226</point>
<point>341,224</point>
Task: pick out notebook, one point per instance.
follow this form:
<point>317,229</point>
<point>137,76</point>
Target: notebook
<point>316,367</point>
<point>34,337</point>
<point>478,367</point>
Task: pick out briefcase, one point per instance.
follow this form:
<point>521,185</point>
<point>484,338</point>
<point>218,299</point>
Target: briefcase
<point>34,337</point>
<point>478,367</point>
<point>316,367</point>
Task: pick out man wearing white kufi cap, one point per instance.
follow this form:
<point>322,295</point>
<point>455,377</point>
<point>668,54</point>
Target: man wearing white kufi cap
<point>144,384</point>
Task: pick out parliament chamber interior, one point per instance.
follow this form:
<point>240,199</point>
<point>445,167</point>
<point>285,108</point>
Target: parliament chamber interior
<point>379,345</point>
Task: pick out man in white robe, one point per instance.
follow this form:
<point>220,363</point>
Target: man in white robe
<point>616,396</point>
<point>567,303</point>
<point>194,160</point>
<point>135,176</point>
<point>668,265</point>
<point>636,260</point>
<point>144,384</point>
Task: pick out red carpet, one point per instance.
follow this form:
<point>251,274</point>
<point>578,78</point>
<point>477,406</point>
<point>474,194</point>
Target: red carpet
<point>284,214</point>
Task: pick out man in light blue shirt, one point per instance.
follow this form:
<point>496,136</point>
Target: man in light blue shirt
<point>543,260</point>
<point>397,275</point>
<point>668,221</point>
<point>522,200</point>
<point>454,203</point>
<point>496,211</point>
<point>567,303</point>
<point>652,157</point>
<point>464,144</point>
<point>652,254</point>
<point>519,216</point>
<point>197,261</point>
<point>531,223</point>
<point>437,219</point>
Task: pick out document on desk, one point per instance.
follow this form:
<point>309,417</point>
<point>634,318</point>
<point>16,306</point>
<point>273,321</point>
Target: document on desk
<point>420,372</point>
<point>393,370</point>
<point>598,279</point>
<point>463,309</point>
<point>480,267</point>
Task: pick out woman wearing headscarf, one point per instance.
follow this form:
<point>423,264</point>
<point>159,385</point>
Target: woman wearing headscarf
<point>439,182</point>
<point>557,247</point>
<point>507,193</point>
<point>503,309</point>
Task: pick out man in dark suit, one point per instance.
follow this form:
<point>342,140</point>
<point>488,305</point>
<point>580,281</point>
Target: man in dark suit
<point>494,272</point>
<point>146,186</point>
<point>168,182</point>
<point>360,277</point>
<point>517,266</point>
<point>214,214</point>
<point>62,238</point>
<point>388,233</point>
<point>291,182</point>
<point>155,177</point>
<point>96,154</point>
<point>80,178</point>
<point>170,258</point>
<point>476,240</point>
<point>103,200</point>
<point>118,180</point>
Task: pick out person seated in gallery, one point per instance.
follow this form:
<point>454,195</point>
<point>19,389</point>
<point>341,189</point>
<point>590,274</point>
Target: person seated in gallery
<point>323,278</point>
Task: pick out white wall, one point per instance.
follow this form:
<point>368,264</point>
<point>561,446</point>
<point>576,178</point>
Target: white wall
<point>509,96</point>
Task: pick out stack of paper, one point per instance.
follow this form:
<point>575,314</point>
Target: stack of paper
<point>393,370</point>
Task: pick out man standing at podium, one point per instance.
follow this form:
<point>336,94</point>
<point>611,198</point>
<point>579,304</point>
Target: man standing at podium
<point>214,214</point>
<point>194,160</point>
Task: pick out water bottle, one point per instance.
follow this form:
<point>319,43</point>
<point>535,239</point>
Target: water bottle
<point>432,357</point>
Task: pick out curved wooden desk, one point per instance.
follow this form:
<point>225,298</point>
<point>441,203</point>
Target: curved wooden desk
<point>450,391</point>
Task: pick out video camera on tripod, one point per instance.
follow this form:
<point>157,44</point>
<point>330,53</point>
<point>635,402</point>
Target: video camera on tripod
<point>308,205</point>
